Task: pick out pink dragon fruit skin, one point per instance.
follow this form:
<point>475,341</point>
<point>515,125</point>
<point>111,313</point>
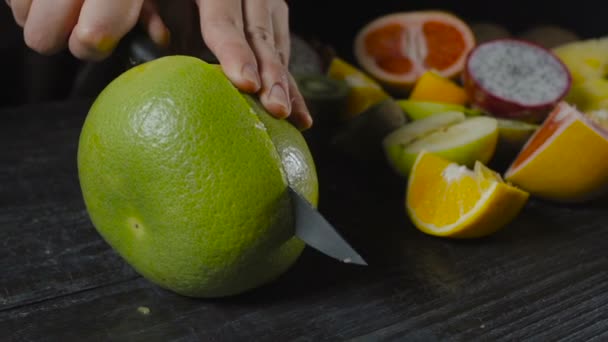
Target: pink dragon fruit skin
<point>515,79</point>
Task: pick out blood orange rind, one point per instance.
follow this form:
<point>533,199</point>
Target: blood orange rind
<point>565,160</point>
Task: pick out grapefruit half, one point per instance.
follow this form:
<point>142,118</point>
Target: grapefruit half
<point>398,48</point>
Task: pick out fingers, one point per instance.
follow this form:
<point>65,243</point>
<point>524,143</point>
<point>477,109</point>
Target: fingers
<point>49,24</point>
<point>222,29</point>
<point>20,9</point>
<point>101,24</point>
<point>300,116</point>
<point>275,82</point>
<point>280,23</point>
<point>154,25</point>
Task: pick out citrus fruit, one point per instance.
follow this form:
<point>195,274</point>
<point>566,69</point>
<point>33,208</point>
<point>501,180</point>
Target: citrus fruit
<point>186,178</point>
<point>364,91</point>
<point>398,48</point>
<point>450,135</point>
<point>565,160</point>
<point>515,79</point>
<point>587,61</point>
<point>433,87</point>
<point>416,110</point>
<point>450,200</point>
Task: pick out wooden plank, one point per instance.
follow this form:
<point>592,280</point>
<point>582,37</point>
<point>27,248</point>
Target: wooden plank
<point>543,277</point>
<point>451,293</point>
<point>48,247</point>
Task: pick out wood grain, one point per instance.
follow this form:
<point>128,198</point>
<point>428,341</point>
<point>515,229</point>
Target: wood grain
<point>545,277</point>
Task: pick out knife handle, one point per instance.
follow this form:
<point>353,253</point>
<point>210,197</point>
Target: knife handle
<point>137,48</point>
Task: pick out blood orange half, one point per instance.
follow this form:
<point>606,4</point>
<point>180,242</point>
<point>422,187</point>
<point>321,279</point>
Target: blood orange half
<point>398,48</point>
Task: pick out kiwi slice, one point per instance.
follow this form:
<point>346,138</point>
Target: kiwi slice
<point>326,100</point>
<point>361,138</point>
<point>325,97</point>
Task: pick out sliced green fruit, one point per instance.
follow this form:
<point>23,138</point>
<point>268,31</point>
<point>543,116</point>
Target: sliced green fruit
<point>395,143</point>
<point>449,135</point>
<point>515,132</point>
<point>417,110</point>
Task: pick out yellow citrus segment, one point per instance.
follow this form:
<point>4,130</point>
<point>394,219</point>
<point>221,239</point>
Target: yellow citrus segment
<point>365,92</point>
<point>449,200</point>
<point>433,87</point>
<point>570,165</point>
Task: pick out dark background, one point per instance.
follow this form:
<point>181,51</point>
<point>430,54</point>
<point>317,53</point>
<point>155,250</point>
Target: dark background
<point>33,78</point>
<point>544,278</point>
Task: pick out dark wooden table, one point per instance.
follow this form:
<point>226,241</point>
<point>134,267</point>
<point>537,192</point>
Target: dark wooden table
<point>544,277</point>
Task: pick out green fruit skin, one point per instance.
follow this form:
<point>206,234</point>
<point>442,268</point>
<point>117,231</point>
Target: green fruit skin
<point>482,150</point>
<point>208,218</point>
<point>417,110</point>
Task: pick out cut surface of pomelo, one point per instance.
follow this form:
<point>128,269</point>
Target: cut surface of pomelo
<point>450,200</point>
<point>565,160</point>
<point>398,48</point>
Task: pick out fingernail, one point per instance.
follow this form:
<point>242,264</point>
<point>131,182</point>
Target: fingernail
<point>106,45</point>
<point>306,122</point>
<point>167,38</point>
<point>250,73</point>
<point>279,96</point>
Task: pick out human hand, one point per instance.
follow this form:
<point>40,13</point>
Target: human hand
<point>249,38</point>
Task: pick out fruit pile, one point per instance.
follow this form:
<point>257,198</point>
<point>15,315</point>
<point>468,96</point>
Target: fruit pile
<point>445,103</point>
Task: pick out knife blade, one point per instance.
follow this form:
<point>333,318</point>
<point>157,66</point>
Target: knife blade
<point>312,228</point>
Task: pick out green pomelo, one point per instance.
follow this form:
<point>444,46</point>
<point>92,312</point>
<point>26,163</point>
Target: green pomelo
<point>186,178</point>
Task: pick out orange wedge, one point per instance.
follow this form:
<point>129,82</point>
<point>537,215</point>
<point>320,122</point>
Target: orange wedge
<point>432,87</point>
<point>449,200</point>
<point>566,159</point>
<point>364,91</point>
